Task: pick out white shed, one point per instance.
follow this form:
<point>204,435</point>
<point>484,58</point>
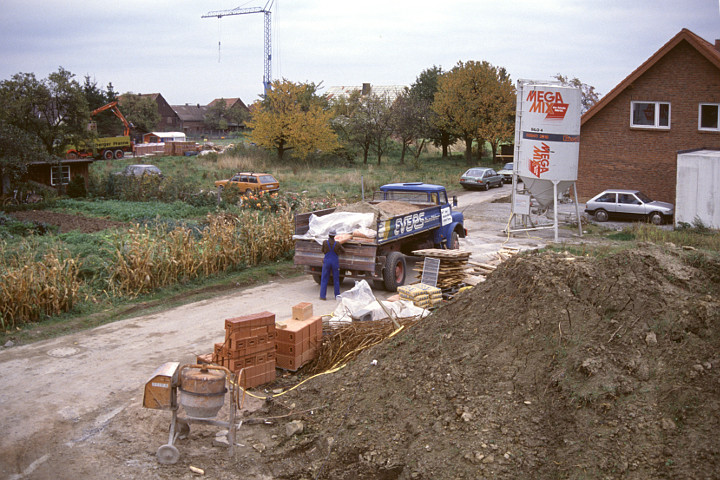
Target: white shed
<point>697,191</point>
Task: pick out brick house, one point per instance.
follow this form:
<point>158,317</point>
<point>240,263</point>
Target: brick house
<point>631,137</point>
<point>192,118</point>
<point>169,120</point>
<point>234,104</point>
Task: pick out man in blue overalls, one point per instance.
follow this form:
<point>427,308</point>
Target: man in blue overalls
<point>331,264</point>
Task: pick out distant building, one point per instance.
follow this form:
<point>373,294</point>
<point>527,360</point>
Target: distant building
<point>632,136</point>
<point>192,119</point>
<point>391,92</point>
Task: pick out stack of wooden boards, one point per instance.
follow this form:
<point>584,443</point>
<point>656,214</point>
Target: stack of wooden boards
<point>453,264</point>
<point>257,344</point>
<point>423,296</point>
<point>477,271</point>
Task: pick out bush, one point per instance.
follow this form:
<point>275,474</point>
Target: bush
<point>76,187</point>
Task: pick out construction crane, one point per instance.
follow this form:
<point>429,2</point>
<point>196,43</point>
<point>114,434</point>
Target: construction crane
<point>113,106</point>
<point>267,73</point>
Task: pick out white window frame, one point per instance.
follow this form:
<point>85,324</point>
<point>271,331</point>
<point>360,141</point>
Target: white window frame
<point>717,120</point>
<point>656,124</point>
<point>65,175</point>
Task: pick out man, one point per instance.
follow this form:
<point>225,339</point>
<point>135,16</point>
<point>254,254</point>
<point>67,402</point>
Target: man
<point>331,264</point>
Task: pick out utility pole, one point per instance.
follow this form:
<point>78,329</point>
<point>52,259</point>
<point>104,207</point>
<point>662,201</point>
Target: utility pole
<point>267,72</point>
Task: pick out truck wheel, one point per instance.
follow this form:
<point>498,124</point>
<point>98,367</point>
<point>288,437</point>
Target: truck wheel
<point>71,156</point>
<point>394,271</point>
<point>119,154</point>
<point>454,241</point>
<point>108,155</point>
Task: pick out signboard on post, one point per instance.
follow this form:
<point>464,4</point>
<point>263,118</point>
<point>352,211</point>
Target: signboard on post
<point>431,268</point>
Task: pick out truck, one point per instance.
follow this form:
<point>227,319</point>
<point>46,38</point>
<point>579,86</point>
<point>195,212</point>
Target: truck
<point>431,224</point>
<point>104,147</point>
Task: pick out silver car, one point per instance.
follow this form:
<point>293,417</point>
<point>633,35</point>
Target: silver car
<point>481,177</point>
<point>628,204</point>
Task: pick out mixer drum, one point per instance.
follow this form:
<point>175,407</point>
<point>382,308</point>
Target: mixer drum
<point>202,392</point>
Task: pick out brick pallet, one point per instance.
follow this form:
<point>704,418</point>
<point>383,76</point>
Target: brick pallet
<point>249,345</point>
<point>297,342</point>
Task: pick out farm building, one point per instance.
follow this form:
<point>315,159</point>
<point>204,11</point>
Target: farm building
<point>670,103</point>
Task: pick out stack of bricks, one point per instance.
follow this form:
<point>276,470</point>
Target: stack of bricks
<point>298,339</point>
<point>249,345</point>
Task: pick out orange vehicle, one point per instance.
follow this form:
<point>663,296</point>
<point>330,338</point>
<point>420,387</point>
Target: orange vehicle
<point>105,147</point>
<point>250,182</point>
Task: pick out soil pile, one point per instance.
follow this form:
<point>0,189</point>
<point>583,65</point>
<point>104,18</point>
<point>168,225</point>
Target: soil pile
<point>556,367</point>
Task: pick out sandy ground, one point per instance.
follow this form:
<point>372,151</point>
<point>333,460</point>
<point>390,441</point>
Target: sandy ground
<point>56,392</point>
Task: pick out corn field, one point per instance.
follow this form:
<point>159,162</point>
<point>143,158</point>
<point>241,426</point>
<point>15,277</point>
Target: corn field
<point>147,258</point>
<point>30,289</point>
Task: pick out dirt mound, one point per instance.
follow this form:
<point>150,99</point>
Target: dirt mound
<point>67,222</point>
<point>556,367</point>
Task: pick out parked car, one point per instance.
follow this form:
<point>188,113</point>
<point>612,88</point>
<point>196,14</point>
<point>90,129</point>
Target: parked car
<point>481,177</point>
<point>140,170</point>
<point>250,182</point>
<point>507,172</point>
<point>628,204</point>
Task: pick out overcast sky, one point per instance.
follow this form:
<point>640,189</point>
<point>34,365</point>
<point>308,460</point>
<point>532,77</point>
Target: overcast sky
<point>165,46</point>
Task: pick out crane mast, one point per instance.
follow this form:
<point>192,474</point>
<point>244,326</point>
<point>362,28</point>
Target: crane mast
<point>267,70</point>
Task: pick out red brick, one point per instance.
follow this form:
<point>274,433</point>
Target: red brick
<point>302,311</point>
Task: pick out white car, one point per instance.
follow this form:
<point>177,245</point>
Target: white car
<point>140,170</point>
<point>628,204</point>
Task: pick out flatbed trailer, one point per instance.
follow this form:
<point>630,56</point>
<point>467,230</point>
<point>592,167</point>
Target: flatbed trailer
<point>382,259</point>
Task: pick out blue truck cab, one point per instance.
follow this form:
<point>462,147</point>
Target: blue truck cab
<point>431,224</point>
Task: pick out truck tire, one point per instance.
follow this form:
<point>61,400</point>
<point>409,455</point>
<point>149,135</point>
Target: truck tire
<point>394,271</point>
<point>108,155</point>
<point>119,154</point>
<point>454,243</point>
<point>71,156</point>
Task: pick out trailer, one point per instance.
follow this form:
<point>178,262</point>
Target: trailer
<point>430,224</point>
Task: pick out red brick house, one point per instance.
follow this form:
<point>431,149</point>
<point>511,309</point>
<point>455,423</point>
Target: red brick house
<point>631,137</point>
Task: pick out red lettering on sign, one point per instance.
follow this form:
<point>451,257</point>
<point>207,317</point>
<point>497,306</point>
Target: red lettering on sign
<point>540,162</point>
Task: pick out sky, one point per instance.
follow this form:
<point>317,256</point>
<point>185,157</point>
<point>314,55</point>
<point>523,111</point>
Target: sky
<point>163,46</point>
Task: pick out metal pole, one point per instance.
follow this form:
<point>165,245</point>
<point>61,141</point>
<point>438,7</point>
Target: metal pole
<point>555,213</point>
<point>362,186</point>
<point>577,209</point>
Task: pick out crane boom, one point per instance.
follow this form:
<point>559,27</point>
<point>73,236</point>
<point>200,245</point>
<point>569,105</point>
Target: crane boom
<point>267,70</point>
<point>113,106</point>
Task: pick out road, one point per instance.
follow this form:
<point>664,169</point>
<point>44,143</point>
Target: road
<point>59,391</point>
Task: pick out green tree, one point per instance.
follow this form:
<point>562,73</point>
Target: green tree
<point>367,123</point>
<point>410,117</point>
<point>219,117</point>
<point>465,101</point>
<point>96,98</point>
<point>292,117</point>
<point>351,124</point>
<point>17,149</point>
<point>589,96</point>
<point>499,125</point>
<point>53,109</point>
<point>141,111</point>
<point>423,91</point>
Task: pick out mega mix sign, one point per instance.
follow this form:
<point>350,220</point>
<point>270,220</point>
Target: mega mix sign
<point>548,133</point>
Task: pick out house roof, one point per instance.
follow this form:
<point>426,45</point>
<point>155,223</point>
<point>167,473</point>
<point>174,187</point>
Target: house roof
<point>229,103</point>
<point>703,47</point>
<point>190,113</point>
<point>389,91</point>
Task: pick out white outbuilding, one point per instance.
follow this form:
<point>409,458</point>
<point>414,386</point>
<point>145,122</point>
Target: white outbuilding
<point>697,191</point>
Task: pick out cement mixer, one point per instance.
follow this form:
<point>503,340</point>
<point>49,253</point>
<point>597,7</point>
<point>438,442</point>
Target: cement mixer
<point>202,391</point>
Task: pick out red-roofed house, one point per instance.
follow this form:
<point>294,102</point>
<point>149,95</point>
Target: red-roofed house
<point>631,137</point>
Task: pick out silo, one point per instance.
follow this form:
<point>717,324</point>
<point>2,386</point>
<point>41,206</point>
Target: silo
<point>547,137</point>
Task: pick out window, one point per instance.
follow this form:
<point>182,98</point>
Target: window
<point>708,117</point>
<point>607,198</point>
<point>628,198</point>
<point>650,114</point>
<point>54,179</point>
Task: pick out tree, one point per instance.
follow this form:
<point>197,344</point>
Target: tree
<point>589,96</point>
<point>141,111</point>
<point>96,98</point>
<point>17,149</point>
<point>351,124</point>
<point>499,126</point>
<point>423,91</point>
<point>366,122</point>
<point>219,117</point>
<point>410,117</point>
<point>292,116</point>
<point>465,102</point>
<point>53,109</point>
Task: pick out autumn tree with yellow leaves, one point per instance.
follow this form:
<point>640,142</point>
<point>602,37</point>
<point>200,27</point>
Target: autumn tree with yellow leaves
<point>475,100</point>
<point>293,118</point>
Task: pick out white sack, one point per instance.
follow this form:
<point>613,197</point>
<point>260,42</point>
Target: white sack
<point>341,222</point>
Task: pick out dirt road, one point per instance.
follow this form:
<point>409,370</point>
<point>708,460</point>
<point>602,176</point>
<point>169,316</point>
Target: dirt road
<point>58,392</point>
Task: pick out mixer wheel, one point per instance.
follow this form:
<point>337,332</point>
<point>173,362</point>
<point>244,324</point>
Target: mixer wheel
<point>168,454</point>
